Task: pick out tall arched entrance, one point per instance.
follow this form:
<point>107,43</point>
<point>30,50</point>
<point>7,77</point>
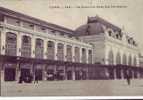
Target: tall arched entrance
<point>26,46</point>
<point>39,48</point>
<point>118,58</point>
<point>83,56</point>
<point>135,61</point>
<point>130,60</point>
<point>51,50</point>
<point>124,59</point>
<point>111,58</point>
<point>60,52</point>
<point>77,54</point>
<point>130,72</point>
<point>89,56</point>
<point>10,50</point>
<point>118,68</point>
<point>11,44</point>
<point>135,70</point>
<point>69,53</point>
<point>111,62</point>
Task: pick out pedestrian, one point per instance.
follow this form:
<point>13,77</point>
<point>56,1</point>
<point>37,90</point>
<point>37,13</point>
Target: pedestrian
<point>128,79</point>
<point>36,79</point>
<point>20,80</point>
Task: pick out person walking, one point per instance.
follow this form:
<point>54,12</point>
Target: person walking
<point>36,79</point>
<point>128,79</point>
<point>20,79</point>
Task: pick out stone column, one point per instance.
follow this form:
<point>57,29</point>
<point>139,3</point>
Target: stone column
<point>114,71</point>
<point>2,75</point>
<point>19,43</point>
<point>17,71</point>
<point>73,53</point>
<point>80,55</point>
<point>65,74</point>
<point>121,58</point>
<point>137,61</point>
<point>2,71</point>
<point>33,46</point>
<point>55,48</point>
<point>3,41</point>
<point>65,52</point>
<point>19,40</point>
<point>44,72</point>
<point>107,59</point>
<point>86,50</point>
<point>87,75</point>
<point>45,49</point>
<point>55,69</point>
<point>114,59</point>
<point>73,73</point>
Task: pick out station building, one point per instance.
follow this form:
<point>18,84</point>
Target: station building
<point>98,49</point>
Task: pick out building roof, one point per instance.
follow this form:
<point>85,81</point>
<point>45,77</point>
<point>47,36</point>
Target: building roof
<point>33,20</point>
<point>104,22</point>
<point>95,26</point>
<point>89,29</point>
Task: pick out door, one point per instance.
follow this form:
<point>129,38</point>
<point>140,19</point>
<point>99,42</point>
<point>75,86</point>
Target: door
<point>25,75</point>
<point>38,73</point>
<point>9,74</point>
<point>69,75</point>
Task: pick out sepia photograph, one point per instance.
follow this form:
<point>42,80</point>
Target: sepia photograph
<point>66,48</point>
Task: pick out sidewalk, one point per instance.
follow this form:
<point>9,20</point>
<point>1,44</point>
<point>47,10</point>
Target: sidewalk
<point>75,88</point>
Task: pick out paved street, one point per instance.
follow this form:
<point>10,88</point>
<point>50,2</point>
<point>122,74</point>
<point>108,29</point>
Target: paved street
<point>74,88</point>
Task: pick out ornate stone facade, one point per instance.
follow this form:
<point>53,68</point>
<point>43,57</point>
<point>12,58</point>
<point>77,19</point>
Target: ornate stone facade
<point>111,45</point>
<point>32,46</point>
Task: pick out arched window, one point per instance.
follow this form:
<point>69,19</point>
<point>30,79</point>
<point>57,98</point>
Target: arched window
<point>124,59</point>
<point>89,56</point>
<point>11,44</point>
<point>130,60</point>
<point>118,58</point>
<point>135,61</point>
<point>110,33</point>
<point>83,56</point>
<point>51,50</point>
<point>60,51</point>
<point>111,58</point>
<point>39,48</point>
<point>69,53</point>
<point>26,46</point>
<point>77,54</point>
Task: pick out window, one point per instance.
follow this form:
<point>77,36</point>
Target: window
<point>25,39</point>
<point>11,44</point>
<point>39,42</point>
<point>60,46</point>
<point>11,37</point>
<point>117,36</point>
<point>110,33</point>
<point>50,44</point>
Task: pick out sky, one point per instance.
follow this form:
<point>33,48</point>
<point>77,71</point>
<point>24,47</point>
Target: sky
<point>128,16</point>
